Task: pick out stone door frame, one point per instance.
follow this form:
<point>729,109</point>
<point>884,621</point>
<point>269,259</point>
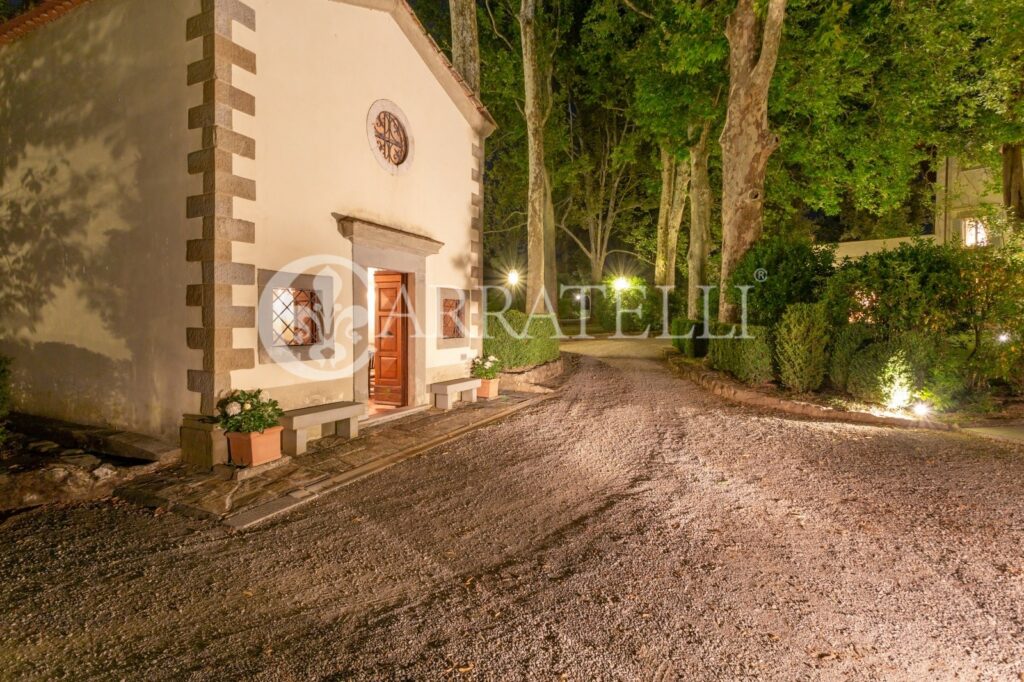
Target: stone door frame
<point>390,248</point>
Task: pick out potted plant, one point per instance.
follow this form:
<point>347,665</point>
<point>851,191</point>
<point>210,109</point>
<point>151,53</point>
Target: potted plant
<point>487,369</point>
<point>250,420</point>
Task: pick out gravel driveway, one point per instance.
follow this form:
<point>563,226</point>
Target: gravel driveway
<point>633,527</point>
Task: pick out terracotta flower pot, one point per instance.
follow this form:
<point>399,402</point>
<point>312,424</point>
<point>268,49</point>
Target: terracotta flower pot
<point>253,449</point>
<point>488,389</point>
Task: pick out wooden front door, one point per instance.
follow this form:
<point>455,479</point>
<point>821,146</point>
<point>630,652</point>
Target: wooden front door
<point>389,361</point>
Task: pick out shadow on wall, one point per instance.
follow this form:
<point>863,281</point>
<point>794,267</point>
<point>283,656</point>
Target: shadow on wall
<point>92,226</point>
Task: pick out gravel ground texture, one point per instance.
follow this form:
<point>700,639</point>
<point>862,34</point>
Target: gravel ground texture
<point>632,527</point>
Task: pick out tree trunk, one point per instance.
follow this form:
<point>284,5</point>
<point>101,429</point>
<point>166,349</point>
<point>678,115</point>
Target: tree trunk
<point>747,141</point>
<point>539,228</point>
<point>700,226</point>
<point>465,42</point>
<point>675,183</point>
<point>1013,180</point>
<point>550,231</point>
<point>596,268</point>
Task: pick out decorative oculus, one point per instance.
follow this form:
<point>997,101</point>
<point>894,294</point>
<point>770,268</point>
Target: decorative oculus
<point>387,131</point>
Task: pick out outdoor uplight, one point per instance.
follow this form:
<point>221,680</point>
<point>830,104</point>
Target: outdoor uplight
<point>513,277</point>
<point>1003,338</point>
<point>899,397</point>
<point>921,410</point>
<point>620,284</point>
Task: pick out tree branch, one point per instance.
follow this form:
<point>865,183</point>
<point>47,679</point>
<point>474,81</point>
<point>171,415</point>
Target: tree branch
<point>772,36</point>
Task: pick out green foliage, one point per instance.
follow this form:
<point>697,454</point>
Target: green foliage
<point>747,359</point>
<point>5,394</point>
<point>945,385</point>
<point>248,411</point>
<point>801,342</point>
<point>849,339</point>
<point>880,373</point>
<point>796,271</point>
<point>525,342</point>
<point>636,297</point>
<point>915,286</point>
<point>487,367</point>
<point>688,337</point>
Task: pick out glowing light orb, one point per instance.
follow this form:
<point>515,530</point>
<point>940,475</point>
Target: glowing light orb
<point>620,284</point>
<point>1004,337</point>
<point>899,397</point>
<point>921,410</point>
<point>513,277</point>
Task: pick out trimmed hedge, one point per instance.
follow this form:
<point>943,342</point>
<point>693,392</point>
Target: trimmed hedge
<point>881,373</point>
<point>687,337</point>
<point>847,341</point>
<point>749,360</point>
<point>801,342</point>
<point>797,272</point>
<point>539,345</point>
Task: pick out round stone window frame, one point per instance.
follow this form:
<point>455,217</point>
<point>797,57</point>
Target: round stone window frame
<point>390,107</point>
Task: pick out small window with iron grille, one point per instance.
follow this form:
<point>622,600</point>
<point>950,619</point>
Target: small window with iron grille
<point>298,318</point>
<point>453,318</point>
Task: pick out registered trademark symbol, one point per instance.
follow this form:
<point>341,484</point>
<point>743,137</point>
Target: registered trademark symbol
<point>761,275</point>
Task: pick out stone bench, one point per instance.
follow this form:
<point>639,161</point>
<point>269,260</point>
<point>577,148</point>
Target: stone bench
<point>443,391</point>
<point>340,419</point>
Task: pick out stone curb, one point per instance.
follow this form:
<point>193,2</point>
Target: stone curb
<point>260,513</point>
<point>737,393</point>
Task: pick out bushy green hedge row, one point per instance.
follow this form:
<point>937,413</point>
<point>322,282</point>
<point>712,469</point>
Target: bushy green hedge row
<point>538,345</point>
<point>937,323</point>
<point>748,359</point>
<point>846,342</point>
<point>688,337</point>
<point>801,346</point>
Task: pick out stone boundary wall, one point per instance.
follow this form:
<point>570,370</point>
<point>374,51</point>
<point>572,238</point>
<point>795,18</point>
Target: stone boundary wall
<point>214,160</point>
<point>738,393</point>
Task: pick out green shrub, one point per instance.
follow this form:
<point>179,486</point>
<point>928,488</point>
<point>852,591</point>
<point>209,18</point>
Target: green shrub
<point>688,337</point>
<point>5,395</point>
<point>796,271</point>
<point>846,342</point>
<point>248,412</point>
<point>637,296</point>
<point>538,345</point>
<point>946,383</point>
<point>801,343</point>
<point>749,359</point>
<point>917,286</point>
<point>880,373</point>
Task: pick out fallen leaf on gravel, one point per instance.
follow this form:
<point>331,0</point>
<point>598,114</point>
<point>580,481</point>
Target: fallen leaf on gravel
<point>247,593</point>
<point>466,668</point>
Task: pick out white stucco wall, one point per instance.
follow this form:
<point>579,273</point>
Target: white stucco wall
<point>92,215</point>
<point>962,192</point>
<point>321,65</point>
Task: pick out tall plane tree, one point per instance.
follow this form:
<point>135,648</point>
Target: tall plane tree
<point>465,42</point>
<point>680,61</point>
<point>541,278</point>
<point>747,140</point>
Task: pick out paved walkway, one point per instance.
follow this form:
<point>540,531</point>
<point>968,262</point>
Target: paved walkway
<point>330,463</point>
<point>1012,433</point>
<point>632,527</point>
